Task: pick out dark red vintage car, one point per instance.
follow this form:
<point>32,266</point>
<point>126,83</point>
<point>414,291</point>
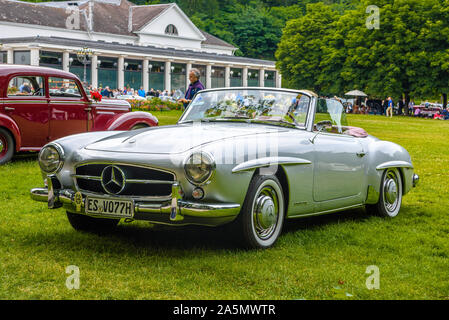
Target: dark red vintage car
<point>39,105</point>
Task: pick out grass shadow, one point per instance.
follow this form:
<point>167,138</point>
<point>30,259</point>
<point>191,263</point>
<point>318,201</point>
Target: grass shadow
<point>315,222</point>
<point>24,156</point>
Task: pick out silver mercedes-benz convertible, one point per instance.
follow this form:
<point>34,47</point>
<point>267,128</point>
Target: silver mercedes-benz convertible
<point>247,157</point>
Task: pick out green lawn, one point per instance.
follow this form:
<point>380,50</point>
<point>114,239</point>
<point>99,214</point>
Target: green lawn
<point>316,258</point>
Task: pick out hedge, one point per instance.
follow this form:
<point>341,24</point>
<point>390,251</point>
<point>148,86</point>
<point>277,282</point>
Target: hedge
<point>154,104</point>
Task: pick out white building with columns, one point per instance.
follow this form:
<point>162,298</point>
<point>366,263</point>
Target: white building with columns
<point>151,46</point>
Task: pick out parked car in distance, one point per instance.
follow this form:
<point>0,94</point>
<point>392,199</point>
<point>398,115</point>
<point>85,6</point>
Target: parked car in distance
<point>248,157</point>
<point>130,97</point>
<point>38,105</point>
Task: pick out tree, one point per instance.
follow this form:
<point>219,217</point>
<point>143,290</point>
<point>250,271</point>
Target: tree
<point>301,48</point>
<point>332,53</point>
<point>390,61</point>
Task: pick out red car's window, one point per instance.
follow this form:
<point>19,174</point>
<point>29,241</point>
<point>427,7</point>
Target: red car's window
<point>26,86</point>
<point>60,87</point>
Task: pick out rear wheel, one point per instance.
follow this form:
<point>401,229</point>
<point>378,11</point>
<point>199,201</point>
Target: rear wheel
<point>262,215</point>
<point>390,199</point>
<point>139,126</point>
<point>6,146</point>
<point>81,222</point>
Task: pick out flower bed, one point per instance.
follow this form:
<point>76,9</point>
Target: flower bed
<point>154,104</point>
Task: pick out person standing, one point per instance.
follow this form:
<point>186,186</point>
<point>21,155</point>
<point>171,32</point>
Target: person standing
<point>401,106</point>
<point>384,106</point>
<point>390,107</point>
<point>194,87</point>
<point>141,92</point>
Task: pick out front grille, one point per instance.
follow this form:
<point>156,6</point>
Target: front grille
<point>136,182</point>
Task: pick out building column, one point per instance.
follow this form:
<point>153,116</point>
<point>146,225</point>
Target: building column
<point>245,76</point>
<point>227,76</point>
<point>121,73</point>
<point>209,76</point>
<point>10,56</point>
<point>168,76</point>
<point>65,61</point>
<point>278,80</point>
<point>94,71</point>
<point>146,75</point>
<point>262,78</point>
<point>34,56</point>
<point>188,68</point>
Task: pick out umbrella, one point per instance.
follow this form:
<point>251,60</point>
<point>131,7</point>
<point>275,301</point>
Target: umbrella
<point>356,93</point>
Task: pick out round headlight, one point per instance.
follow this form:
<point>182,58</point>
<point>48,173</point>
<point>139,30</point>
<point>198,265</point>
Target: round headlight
<point>199,168</point>
<point>51,158</point>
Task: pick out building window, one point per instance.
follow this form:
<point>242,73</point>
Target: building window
<point>3,57</point>
<point>133,74</point>
<point>218,77</point>
<point>171,30</point>
<point>253,78</point>
<point>236,77</point>
<point>156,75</point>
<point>51,59</point>
<point>22,57</point>
<point>270,79</point>
<point>178,77</point>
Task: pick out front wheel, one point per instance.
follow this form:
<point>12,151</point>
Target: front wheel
<point>262,215</point>
<point>96,225</point>
<point>390,199</point>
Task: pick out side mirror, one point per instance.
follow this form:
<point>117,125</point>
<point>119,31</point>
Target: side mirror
<point>323,124</point>
<point>320,127</point>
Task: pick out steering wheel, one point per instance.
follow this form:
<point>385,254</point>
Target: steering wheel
<point>37,92</point>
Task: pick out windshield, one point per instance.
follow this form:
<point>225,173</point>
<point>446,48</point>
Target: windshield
<point>278,107</point>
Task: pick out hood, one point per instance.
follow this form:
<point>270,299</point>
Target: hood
<point>112,103</point>
<point>179,138</point>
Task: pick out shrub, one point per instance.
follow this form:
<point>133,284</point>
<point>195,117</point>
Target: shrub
<point>12,90</point>
<point>154,104</point>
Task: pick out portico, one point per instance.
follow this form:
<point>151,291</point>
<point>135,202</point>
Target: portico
<point>136,59</point>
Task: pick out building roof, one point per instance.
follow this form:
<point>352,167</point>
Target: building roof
<point>110,16</point>
<point>139,50</point>
<point>214,41</point>
<point>142,15</point>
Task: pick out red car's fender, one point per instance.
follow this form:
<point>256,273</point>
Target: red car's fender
<point>126,121</point>
<point>8,123</point>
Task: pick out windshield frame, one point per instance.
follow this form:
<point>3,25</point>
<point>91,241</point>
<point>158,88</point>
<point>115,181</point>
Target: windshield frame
<point>311,108</point>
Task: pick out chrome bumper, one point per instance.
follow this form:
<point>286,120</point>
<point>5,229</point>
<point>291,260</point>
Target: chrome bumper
<point>415,180</point>
<point>175,211</point>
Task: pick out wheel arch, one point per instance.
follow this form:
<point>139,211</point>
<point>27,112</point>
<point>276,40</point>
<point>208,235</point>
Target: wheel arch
<point>282,177</point>
<point>128,120</point>
<point>9,125</point>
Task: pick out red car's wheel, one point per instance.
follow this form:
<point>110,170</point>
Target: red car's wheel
<point>6,146</point>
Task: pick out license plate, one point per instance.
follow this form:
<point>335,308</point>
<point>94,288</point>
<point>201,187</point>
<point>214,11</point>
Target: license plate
<point>109,207</point>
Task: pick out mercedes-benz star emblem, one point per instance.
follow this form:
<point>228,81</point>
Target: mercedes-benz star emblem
<point>113,180</point>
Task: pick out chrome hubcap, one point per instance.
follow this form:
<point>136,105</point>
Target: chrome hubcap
<point>266,213</point>
<point>391,192</point>
<point>1,146</point>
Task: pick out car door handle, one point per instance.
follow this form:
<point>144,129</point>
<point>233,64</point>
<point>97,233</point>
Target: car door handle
<point>361,154</point>
<point>88,109</point>
<point>9,109</point>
